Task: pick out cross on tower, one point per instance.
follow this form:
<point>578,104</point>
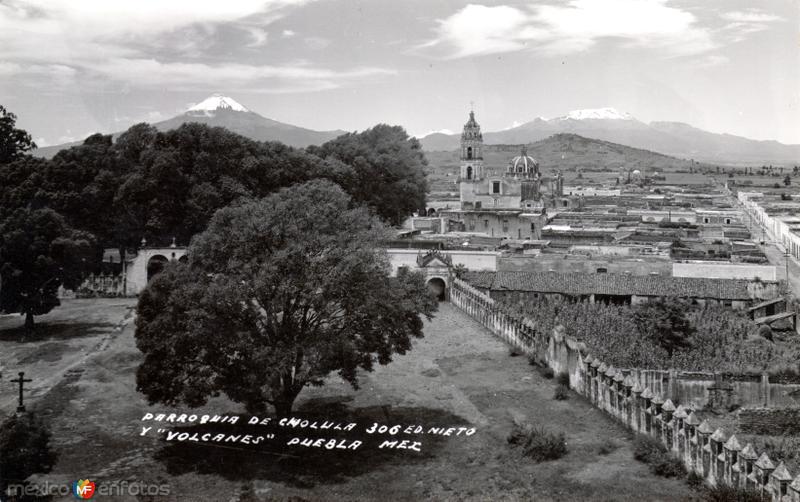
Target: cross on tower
<point>21,381</point>
<point>472,106</point>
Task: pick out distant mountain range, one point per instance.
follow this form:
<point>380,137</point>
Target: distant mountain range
<point>671,138</point>
<point>223,111</point>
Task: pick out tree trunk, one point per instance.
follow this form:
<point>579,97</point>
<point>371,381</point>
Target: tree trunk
<point>283,408</point>
<point>283,404</point>
<point>28,322</point>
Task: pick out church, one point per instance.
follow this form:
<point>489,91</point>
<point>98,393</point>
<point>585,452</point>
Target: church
<point>510,203</point>
<point>521,186</point>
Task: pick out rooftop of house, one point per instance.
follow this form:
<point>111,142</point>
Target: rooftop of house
<point>611,284</point>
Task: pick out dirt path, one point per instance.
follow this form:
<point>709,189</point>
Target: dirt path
<point>58,348</point>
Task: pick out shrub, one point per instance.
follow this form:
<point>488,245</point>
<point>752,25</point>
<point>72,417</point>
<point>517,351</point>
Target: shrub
<point>547,372</point>
<point>661,462</point>
<point>561,392</point>
<point>514,352</point>
<point>606,447</point>
<point>725,493</point>
<point>25,443</point>
<point>532,360</point>
<point>668,466</point>
<point>537,443</point>
<point>563,379</point>
<point>694,480</point>
<point>647,449</point>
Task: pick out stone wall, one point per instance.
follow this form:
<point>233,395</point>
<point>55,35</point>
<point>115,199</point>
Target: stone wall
<point>640,400</point>
<point>768,421</point>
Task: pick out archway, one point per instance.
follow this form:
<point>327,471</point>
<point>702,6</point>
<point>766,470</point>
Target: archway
<point>438,288</point>
<point>469,172</point>
<point>184,259</point>
<point>155,265</point>
<point>469,153</point>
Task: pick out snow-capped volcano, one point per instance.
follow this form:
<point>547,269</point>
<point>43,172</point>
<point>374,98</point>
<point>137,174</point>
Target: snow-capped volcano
<point>223,111</point>
<point>216,102</point>
<point>596,113</point>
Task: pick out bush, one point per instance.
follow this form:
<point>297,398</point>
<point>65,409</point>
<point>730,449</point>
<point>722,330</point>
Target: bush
<point>661,462</point>
<point>547,372</point>
<point>514,352</point>
<point>725,493</point>
<point>537,443</point>
<point>607,447</point>
<point>647,449</point>
<point>561,393</point>
<point>668,466</point>
<point>25,443</point>
<point>563,379</point>
<point>695,480</point>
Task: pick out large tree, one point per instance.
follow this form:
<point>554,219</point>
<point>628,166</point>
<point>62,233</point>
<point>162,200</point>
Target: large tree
<point>38,253</point>
<point>13,142</point>
<point>278,293</point>
<point>389,170</point>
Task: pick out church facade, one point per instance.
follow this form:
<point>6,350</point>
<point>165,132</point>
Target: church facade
<point>510,203</point>
<point>522,186</point>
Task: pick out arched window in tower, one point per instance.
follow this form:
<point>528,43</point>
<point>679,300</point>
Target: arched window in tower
<point>469,172</point>
<point>469,153</point>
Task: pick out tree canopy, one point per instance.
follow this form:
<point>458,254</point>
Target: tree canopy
<point>277,294</point>
<point>389,170</point>
<point>159,185</point>
<point>38,253</point>
<point>665,322</point>
<point>13,142</point>
<point>167,185</point>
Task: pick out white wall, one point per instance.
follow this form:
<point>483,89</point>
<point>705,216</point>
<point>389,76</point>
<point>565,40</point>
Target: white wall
<point>712,270</point>
<point>472,260</point>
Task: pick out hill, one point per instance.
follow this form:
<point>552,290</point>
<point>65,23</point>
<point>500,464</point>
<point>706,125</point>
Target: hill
<point>225,112</point>
<point>597,160</point>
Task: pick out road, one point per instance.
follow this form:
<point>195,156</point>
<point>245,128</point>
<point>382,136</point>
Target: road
<point>774,251</point>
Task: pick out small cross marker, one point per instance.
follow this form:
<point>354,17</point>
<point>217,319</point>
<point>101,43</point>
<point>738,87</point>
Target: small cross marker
<point>21,380</point>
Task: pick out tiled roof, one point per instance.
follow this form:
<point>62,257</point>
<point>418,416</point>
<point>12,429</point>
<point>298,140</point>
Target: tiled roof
<point>611,284</point>
<point>482,280</point>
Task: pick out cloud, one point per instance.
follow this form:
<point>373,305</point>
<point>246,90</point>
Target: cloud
<point>231,76</point>
<point>575,26</point>
<point>743,23</point>
<point>477,30</point>
<point>750,16</point>
<point>152,43</point>
<point>288,33</point>
<point>259,36</point>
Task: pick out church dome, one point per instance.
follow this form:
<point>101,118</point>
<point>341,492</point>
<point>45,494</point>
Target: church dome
<point>523,163</point>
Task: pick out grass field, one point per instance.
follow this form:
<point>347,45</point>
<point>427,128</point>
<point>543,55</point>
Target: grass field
<point>457,375</point>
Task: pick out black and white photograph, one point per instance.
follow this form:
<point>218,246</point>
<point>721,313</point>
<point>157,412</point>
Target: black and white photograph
<point>408,250</point>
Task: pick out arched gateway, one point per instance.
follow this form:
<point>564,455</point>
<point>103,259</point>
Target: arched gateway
<point>148,262</point>
<point>437,265</point>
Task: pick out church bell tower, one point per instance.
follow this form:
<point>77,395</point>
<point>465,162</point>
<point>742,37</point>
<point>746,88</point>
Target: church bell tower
<point>471,150</point>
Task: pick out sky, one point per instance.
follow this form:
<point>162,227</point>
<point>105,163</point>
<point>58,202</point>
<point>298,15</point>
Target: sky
<point>71,68</point>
